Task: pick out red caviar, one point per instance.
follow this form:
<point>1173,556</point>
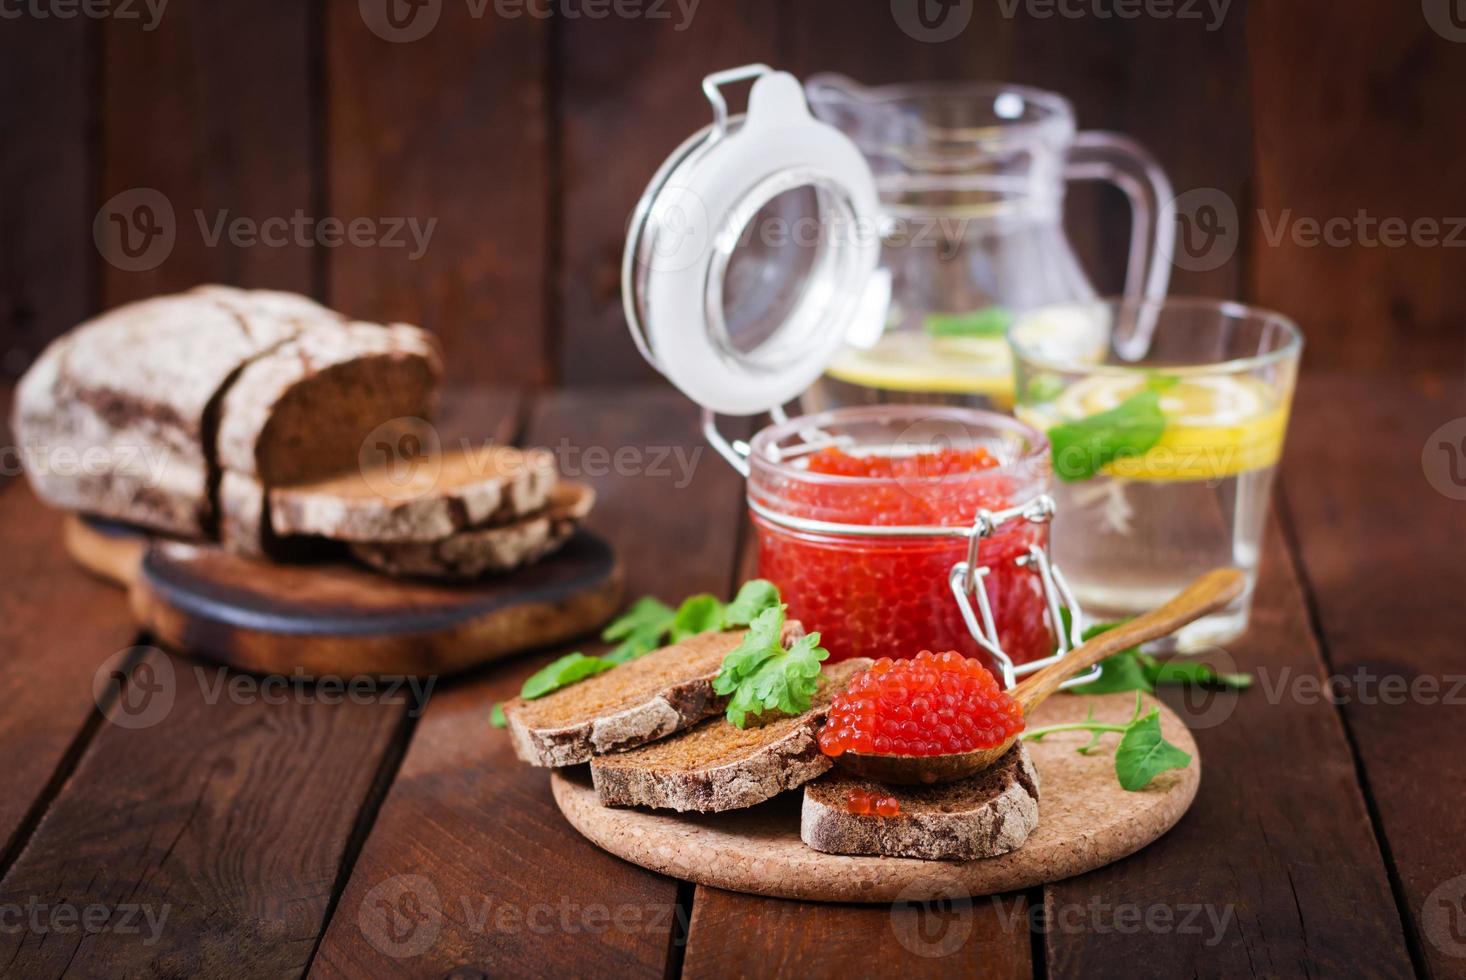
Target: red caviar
<point>934,704</point>
<point>868,596</point>
<point>863,802</point>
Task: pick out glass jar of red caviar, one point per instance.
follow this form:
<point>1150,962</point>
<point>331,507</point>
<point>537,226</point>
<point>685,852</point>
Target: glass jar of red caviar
<point>916,478</point>
<point>751,259</point>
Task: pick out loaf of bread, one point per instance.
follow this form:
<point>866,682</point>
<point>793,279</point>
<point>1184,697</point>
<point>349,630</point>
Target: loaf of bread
<point>117,417</point>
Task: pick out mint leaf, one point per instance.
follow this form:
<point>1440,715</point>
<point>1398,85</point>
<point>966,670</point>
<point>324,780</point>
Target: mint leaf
<point>697,614</point>
<point>1081,449</point>
<point>1144,753</point>
<point>754,597</point>
<point>496,717</point>
<point>567,670</point>
<point>990,321</point>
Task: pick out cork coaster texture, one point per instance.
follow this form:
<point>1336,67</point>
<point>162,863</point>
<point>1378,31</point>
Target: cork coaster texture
<point>1085,822</point>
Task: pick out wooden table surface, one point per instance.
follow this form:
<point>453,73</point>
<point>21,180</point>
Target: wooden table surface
<point>215,831</point>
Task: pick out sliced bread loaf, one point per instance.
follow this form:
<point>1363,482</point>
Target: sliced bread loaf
<point>983,816</point>
<point>433,499</point>
<point>651,697</point>
<point>117,417</point>
<point>715,766</point>
<point>303,411</point>
<point>481,550</point>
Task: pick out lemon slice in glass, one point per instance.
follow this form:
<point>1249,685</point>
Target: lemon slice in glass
<point>909,361</point>
<point>1216,426</point>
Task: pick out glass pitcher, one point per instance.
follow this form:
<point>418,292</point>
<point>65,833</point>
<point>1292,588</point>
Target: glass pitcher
<point>971,179</point>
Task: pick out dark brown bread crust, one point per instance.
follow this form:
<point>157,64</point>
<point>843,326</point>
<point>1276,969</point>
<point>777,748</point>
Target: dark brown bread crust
<point>670,689</point>
<point>981,817</point>
<point>693,770</point>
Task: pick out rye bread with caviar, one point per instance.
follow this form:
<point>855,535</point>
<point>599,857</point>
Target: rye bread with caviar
<point>641,701</point>
<point>118,416</point>
<point>716,766</point>
<point>479,551</point>
<point>982,816</point>
<point>425,502</point>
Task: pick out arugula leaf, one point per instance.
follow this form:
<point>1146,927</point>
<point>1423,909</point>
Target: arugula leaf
<point>567,670</point>
<point>1144,753</point>
<point>496,717</point>
<point>1194,672</point>
<point>762,676</point>
<point>991,321</point>
<point>754,597</point>
<point>697,614</point>
<point>1081,449</point>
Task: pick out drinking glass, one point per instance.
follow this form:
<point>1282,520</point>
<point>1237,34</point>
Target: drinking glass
<point>1166,420</point>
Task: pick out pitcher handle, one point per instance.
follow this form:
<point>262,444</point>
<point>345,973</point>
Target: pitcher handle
<point>1126,164</point>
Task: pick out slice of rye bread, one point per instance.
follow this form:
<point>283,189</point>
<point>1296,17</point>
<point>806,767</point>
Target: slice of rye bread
<point>304,411</point>
<point>649,698</point>
<point>117,416</point>
<point>496,548</point>
<point>714,766</point>
<point>983,816</point>
<point>434,499</point>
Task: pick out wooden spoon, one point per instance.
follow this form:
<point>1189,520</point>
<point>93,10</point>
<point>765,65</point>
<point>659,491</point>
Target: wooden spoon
<point>1207,594</point>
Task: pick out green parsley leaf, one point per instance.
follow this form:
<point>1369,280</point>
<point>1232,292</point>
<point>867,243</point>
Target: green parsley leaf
<point>567,670</point>
<point>762,676</point>
<point>496,717</point>
<point>1194,672</point>
<point>1144,753</point>
<point>1122,671</point>
<point>991,321</point>
<point>754,597</point>
<point>646,612</point>
<point>697,614</point>
<point>1082,448</point>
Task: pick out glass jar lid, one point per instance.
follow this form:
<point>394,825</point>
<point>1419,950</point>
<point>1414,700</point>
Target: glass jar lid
<point>752,254</point>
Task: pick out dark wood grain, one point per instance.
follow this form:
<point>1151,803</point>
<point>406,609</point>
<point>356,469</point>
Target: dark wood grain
<point>1381,551</point>
<point>57,627</point>
<point>469,859</point>
<point>1371,71</point>
<point>449,129</point>
<point>229,802</point>
<point>1255,871</point>
<point>213,109</point>
<point>47,260</point>
<point>642,76</point>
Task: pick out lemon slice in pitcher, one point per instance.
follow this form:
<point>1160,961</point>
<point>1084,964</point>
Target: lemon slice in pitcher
<point>909,361</point>
<point>1216,426</point>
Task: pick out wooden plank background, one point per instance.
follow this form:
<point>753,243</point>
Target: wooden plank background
<point>518,145</point>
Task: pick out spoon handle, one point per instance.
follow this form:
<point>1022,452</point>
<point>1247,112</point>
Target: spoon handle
<point>1207,594</point>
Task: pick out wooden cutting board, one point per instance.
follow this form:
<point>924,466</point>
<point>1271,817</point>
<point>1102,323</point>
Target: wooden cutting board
<point>337,618</point>
<point>1085,821</point>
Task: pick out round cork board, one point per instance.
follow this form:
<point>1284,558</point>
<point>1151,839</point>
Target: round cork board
<point>1085,822</point>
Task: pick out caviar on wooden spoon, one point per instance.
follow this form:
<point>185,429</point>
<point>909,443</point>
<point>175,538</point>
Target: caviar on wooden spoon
<point>941,717</point>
